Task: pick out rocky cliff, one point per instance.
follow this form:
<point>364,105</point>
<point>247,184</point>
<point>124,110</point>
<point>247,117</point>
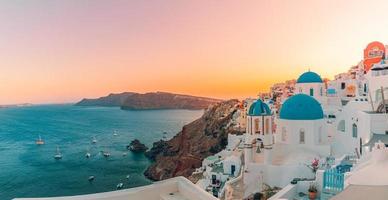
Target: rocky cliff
<point>110,100</point>
<point>164,100</point>
<point>197,140</point>
<point>152,100</point>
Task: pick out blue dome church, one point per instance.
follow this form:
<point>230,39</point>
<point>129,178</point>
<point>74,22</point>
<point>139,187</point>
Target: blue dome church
<point>310,83</point>
<point>259,129</point>
<point>301,122</point>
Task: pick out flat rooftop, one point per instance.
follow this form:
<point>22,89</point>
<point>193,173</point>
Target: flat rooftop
<point>178,188</point>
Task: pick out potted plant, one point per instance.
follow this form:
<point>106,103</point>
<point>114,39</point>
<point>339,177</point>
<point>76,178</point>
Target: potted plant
<point>315,165</point>
<point>313,191</point>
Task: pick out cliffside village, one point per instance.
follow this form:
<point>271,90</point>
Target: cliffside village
<point>309,138</point>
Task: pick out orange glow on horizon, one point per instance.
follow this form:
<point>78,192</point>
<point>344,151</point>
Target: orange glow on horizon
<point>227,49</point>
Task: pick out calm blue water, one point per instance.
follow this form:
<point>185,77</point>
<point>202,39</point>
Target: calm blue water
<point>28,170</point>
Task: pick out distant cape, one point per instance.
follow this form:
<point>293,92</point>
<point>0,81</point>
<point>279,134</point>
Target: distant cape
<point>152,100</point>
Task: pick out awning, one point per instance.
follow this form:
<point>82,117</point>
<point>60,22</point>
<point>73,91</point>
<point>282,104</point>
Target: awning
<point>362,192</point>
<point>375,138</point>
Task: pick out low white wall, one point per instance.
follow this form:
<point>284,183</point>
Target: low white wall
<point>149,192</point>
<point>275,175</point>
<point>288,192</point>
<point>192,192</point>
<point>282,175</point>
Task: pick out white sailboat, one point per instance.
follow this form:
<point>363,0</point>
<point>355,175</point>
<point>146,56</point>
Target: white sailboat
<point>91,178</point>
<point>39,141</point>
<point>58,155</point>
<point>94,140</point>
<point>106,153</point>
<point>120,186</point>
<point>87,155</point>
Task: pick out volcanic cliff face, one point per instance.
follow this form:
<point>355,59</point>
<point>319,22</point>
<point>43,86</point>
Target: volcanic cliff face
<point>197,140</point>
<point>152,100</point>
<point>164,100</point>
<point>110,100</point>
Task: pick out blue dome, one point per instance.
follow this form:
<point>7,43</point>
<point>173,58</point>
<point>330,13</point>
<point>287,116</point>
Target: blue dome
<point>309,77</point>
<point>259,108</point>
<point>301,107</point>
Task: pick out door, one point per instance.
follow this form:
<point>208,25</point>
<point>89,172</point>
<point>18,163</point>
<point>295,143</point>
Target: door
<point>233,169</point>
<point>214,179</point>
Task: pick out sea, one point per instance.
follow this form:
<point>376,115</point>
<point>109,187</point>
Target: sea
<point>30,170</point>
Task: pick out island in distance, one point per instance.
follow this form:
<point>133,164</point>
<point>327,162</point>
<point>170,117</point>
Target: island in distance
<point>152,100</point>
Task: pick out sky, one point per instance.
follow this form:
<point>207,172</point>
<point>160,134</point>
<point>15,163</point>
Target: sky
<point>62,51</point>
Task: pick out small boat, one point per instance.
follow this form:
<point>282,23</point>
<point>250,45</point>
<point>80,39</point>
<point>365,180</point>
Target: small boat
<point>94,140</point>
<point>106,154</point>
<point>91,178</point>
<point>39,141</point>
<point>120,186</point>
<point>58,155</point>
<point>127,177</point>
<point>87,155</point>
<point>125,154</point>
<point>115,133</point>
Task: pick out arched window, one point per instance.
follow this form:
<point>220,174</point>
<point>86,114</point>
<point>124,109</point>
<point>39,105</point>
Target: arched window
<point>267,126</point>
<point>301,136</point>
<point>341,126</point>
<point>311,92</point>
<point>257,128</point>
<point>284,134</point>
<point>354,130</point>
<point>321,91</point>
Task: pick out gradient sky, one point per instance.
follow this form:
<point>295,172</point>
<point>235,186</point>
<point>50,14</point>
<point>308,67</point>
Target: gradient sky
<point>61,51</point>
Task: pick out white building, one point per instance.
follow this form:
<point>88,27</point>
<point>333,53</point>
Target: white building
<point>310,83</point>
<point>259,129</point>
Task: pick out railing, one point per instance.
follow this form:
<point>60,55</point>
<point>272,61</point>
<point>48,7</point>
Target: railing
<point>333,180</point>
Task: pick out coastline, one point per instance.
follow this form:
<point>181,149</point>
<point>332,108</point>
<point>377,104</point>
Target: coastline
<point>72,128</point>
<point>177,157</point>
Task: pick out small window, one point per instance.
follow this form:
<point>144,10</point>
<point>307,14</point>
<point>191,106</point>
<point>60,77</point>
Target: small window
<point>301,136</point>
<point>343,85</point>
<point>354,130</point>
<point>311,92</point>
<point>341,126</point>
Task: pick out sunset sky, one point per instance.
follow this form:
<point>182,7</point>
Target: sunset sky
<point>62,51</point>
